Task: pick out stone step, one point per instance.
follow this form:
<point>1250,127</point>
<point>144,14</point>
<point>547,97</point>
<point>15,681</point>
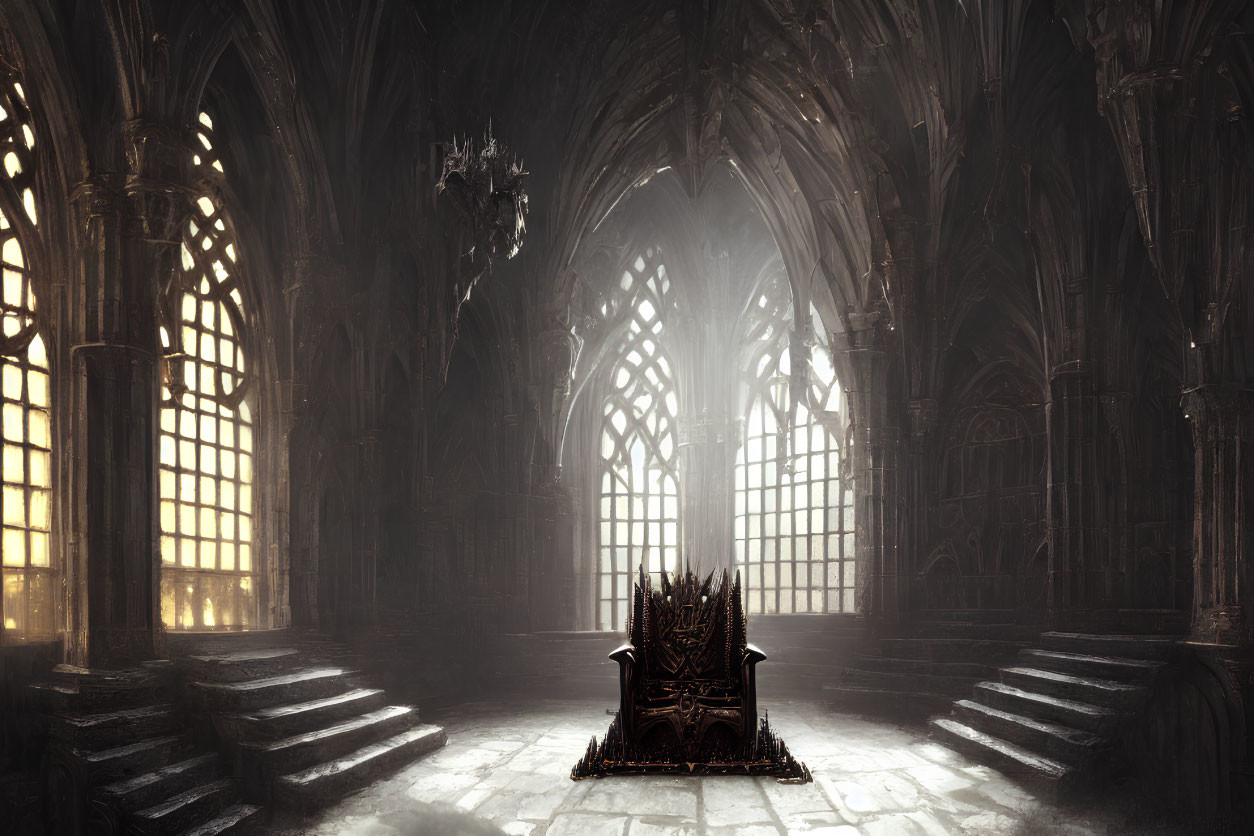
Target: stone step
<point>1062,743</point>
<point>294,718</point>
<point>54,698</point>
<point>65,697</point>
<point>108,765</point>
<point>953,650</point>
<point>886,703</point>
<point>1078,715</point>
<point>263,761</point>
<point>953,686</point>
<point>180,644</point>
<point>1014,761</point>
<point>151,787</point>
<point>1103,692</point>
<point>186,809</point>
<point>328,781</point>
<point>113,728</point>
<point>153,674</point>
<point>242,665</point>
<point>1082,664</point>
<point>1118,646</point>
<point>237,819</point>
<point>306,684</point>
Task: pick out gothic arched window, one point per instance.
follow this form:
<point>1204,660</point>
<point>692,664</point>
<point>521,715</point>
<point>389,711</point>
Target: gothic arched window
<point>639,478</point>
<point>25,545</point>
<point>206,447</point>
<point>794,500</point>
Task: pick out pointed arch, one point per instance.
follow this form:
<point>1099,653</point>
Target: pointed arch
<point>639,488</point>
<point>206,450</point>
<point>793,523</point>
<point>26,553</point>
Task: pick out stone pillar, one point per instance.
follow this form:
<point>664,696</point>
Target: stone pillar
<point>366,544</point>
<point>1222,420</point>
<point>1075,565</point>
<point>916,483</point>
<point>132,238</point>
<point>302,573</point>
<point>881,594</point>
<point>707,449</point>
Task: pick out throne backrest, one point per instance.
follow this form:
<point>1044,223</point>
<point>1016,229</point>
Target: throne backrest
<point>688,628</point>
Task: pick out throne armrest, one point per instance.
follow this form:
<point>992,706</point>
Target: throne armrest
<point>749,690</point>
<point>624,655</point>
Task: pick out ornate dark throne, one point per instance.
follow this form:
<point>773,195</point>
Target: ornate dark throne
<point>688,701</point>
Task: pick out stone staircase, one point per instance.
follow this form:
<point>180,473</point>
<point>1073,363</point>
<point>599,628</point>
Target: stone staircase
<point>1054,718</point>
<point>200,744</point>
<point>299,724</point>
<point>118,734</point>
<point>934,660</point>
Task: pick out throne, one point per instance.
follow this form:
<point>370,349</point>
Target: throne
<point>687,700</point>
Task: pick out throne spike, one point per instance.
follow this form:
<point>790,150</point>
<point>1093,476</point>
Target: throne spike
<point>635,631</point>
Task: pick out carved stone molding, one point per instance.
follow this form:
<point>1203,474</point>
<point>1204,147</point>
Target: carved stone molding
<point>154,149</point>
<point>157,159</point>
<point>546,474</point>
<point>101,195</point>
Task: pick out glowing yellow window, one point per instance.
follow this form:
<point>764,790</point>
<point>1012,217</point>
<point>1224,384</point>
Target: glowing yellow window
<point>26,553</point>
<point>207,436</point>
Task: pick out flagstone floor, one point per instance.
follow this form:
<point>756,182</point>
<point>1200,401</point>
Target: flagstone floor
<point>506,770</point>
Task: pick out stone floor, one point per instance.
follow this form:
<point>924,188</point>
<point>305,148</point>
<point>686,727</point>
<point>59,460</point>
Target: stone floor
<point>506,771</point>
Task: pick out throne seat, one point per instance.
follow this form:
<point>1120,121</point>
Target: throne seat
<point>687,695</point>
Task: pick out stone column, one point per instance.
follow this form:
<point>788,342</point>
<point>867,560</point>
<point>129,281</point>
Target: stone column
<point>1074,557</point>
<point>302,580</point>
<point>916,483</point>
<point>880,593</point>
<point>707,447</point>
<point>365,547</point>
<point>100,204</point>
<point>1222,420</point>
<point>132,237</point>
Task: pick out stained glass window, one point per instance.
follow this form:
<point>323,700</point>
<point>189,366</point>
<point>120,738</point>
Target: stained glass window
<point>639,520</point>
<point>25,544</point>
<point>206,444</point>
<point>794,500</point>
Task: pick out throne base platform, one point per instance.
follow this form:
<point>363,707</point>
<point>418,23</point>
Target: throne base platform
<point>768,756</point>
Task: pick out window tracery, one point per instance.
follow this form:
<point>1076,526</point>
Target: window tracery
<point>639,499</point>
<point>793,528</point>
<point>25,542</point>
<point>207,441</point>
